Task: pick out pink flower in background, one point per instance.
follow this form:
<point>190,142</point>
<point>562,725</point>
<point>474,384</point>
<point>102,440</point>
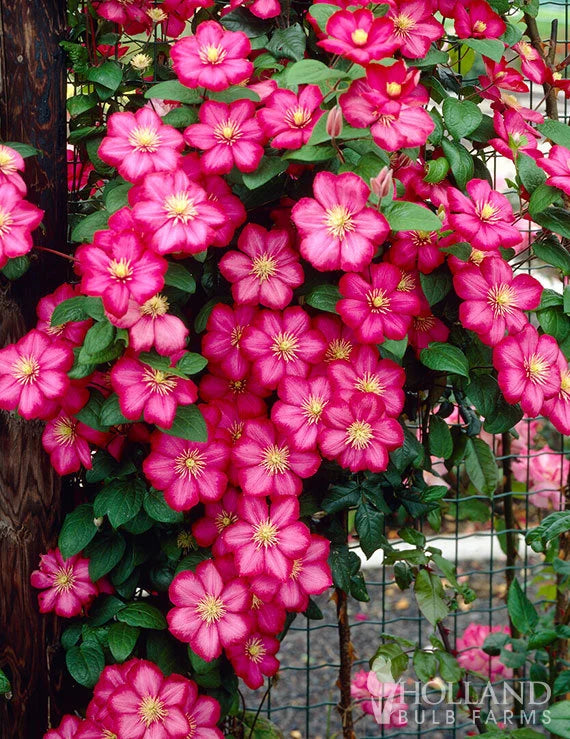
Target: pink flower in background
<point>297,413</point>
<point>150,325</point>
<point>33,374</point>
<point>359,36</point>
<point>416,250</point>
<point>66,586</point>
<point>311,575</point>
<point>187,471</point>
<point>384,701</point>
<point>477,20</point>
<point>220,194</point>
<point>77,171</point>
<point>18,219</point>
<point>366,373</point>
<point>208,531</point>
<point>557,167</point>
<point>66,730</point>
<point>288,119</point>
<point>470,654</point>
<point>152,393</point>
<point>528,369</point>
<point>548,471</point>
<point>265,270</point>
<point>266,463</point>
<point>67,441</point>
<point>281,345</point>
<point>213,58</point>
<point>203,713</point>
<point>229,134</point>
<point>413,27</point>
<point>340,339</point>
<point>359,435</point>
<point>131,15</point>
<point>266,540</point>
<point>176,213</point>
<point>223,341</point>
<point>140,143</point>
<point>426,328</point>
<point>72,331</point>
<point>259,8</point>
<point>266,614</point>
<point>485,219</point>
<point>254,659</point>
<point>557,408</point>
<point>209,613</point>
<point>494,300</point>
<point>245,395</point>
<point>179,12</point>
<point>338,230</point>
<point>11,163</point>
<point>111,678</point>
<point>374,307</point>
<point>503,76</point>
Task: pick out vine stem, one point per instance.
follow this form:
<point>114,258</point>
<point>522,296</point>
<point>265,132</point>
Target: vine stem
<point>344,675</point>
<point>57,253</point>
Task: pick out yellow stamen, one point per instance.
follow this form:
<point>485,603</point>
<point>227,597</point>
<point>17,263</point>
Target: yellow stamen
<point>423,324</point>
<point>313,407</point>
<point>210,609</point>
<point>338,349</point>
<point>65,431</point>
<point>285,346</point>
<point>377,300</point>
<point>212,54</point>
<point>275,459</point>
<point>487,212</point>
<point>479,26</point>
<point>263,267</point>
<point>297,567</point>
<point>237,386</point>
<point>266,534</point>
<point>501,298</point>
<point>64,579</point>
<point>6,222</point>
<point>155,307</point>
<point>7,161</point>
<point>407,282</point>
<point>224,519</point>
<point>369,383</point>
<point>359,435</point>
<point>158,381</point>
<point>152,710</point>
<point>359,37</point>
<point>146,140</point>
<point>298,117</point>
<point>403,24</point>
<point>393,89</point>
<point>536,369</point>
<point>180,207</point>
<point>26,370</point>
<point>121,269</point>
<point>235,336</point>
<point>228,132</point>
<point>339,221</point>
<point>190,463</point>
<point>255,650</point>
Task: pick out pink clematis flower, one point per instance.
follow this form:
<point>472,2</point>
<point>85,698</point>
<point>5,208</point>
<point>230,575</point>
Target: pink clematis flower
<point>111,678</point>
<point>150,325</point>
<point>514,136</point>
<point>245,395</point>
<point>282,344</point>
<point>176,213</point>
<point>289,119</point>
<point>33,374</point>
<point>140,143</point>
<point>67,441</point>
<point>359,36</point>
<point>416,250</point>
<point>153,393</point>
<point>311,575</point>
<point>340,339</point>
<point>266,463</point>
<point>213,58</point>
<point>384,701</point>
<point>359,435</point>
<point>66,730</point>
<point>484,219</point>
<point>557,167</point>
<point>220,194</point>
<point>494,300</point>
<point>557,408</point>
<point>477,20</point>
<point>426,328</point>
<point>297,413</point>
<point>471,656</point>
<point>203,713</point>
<point>338,230</point>
<point>266,541</point>
<point>18,219</point>
<point>367,373</point>
<point>150,705</point>
<point>375,308</point>
<point>72,331</point>
<point>548,473</point>
<point>180,11</point>
<point>501,75</point>
<point>413,27</point>
<point>66,585</point>
<point>254,659</point>
<point>259,8</point>
<point>267,269</point>
<point>528,369</point>
<point>132,15</point>
<point>229,134</point>
<point>208,531</point>
<point>11,162</point>
<point>223,342</point>
<point>187,471</point>
<point>209,613</point>
<point>532,64</point>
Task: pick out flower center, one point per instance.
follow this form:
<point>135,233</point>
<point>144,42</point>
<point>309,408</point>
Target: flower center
<point>6,161</point>
<point>6,222</point>
<point>476,256</point>
<point>237,386</point>
<point>313,407</point>
<point>423,324</point>
<point>385,119</point>
<point>155,307</point>
<point>359,37</point>
<point>121,269</point>
<point>564,392</point>
<point>403,24</point>
<point>423,238</point>
<point>152,710</point>
<point>236,430</point>
<point>338,349</point>
<point>339,221</point>
<point>526,51</point>
<point>64,579</point>
<point>536,369</point>
<point>210,609</point>
<point>190,463</point>
<point>393,89</point>
<point>369,383</point>
<point>501,298</point>
<point>263,267</point>
<point>180,207</point>
<point>144,139</point>
<point>26,370</point>
<point>275,459</point>
<point>158,381</point>
<point>298,117</point>
<point>359,435</point>
<point>297,567</point>
<point>193,724</point>
<point>378,301</point>
<point>285,346</point>
<point>235,336</point>
<point>255,650</point>
<point>225,519</point>
<point>228,132</point>
<point>265,534</point>
<point>487,212</point>
<point>479,26</point>
<point>65,431</point>
<point>212,54</point>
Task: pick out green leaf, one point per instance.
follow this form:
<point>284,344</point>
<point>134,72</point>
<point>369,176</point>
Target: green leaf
<point>77,531</point>
<point>521,611</point>
<point>5,686</point>
<point>550,527</point>
<point>461,117</point>
<point>440,441</point>
<point>436,285</point>
<point>143,615</point>
<point>403,216</point>
<point>236,92</point>
<point>157,508</point>
<point>430,596</point>
<point>122,640</point>
<point>340,497</point>
<point>557,719</point>
<point>173,90</point>
<point>120,500</point>
<point>241,19</point>
<point>188,424</point>
<point>339,562</point>
<point>556,131</point>
<point>288,42</point>
<point>481,466</point>
<point>491,48</point>
<point>111,414</point>
<point>87,226</point>
<point>425,665</point>
<point>178,276</point>
<point>445,358</point>
<point>15,268</point>
<point>494,643</point>
<point>531,175</point>
<point>99,337</point>
<point>555,322</point>
<point>542,197</point>
<point>369,524</point>
<point>431,59</point>
<point>104,609</point>
<point>552,252</point>
<point>72,309</point>
<point>389,662</point>
<point>24,150</point>
<point>108,76</point>
<point>449,668</point>
<point>268,168</point>
<point>117,197</point>
<point>555,219</point>
<point>310,71</point>
<point>437,169</point>
<point>180,117</point>
<point>460,161</point>
<point>561,684</point>
<point>308,153</point>
<point>394,350</point>
<point>324,297</point>
<point>85,663</point>
<point>191,363</point>
<point>321,12</point>
<point>104,553</point>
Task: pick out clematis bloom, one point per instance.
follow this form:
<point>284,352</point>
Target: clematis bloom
<point>66,586</point>
<point>359,36</point>
<point>288,119</point>
<point>18,219</point>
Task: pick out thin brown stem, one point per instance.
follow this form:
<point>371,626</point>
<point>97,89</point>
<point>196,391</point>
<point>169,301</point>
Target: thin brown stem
<point>344,674</point>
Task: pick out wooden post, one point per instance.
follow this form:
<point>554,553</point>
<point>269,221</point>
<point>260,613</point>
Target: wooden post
<point>32,110</point>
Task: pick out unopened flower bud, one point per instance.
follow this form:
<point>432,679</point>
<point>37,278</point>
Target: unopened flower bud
<point>334,122</point>
<point>98,522</point>
<point>383,184</point>
<point>140,62</point>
